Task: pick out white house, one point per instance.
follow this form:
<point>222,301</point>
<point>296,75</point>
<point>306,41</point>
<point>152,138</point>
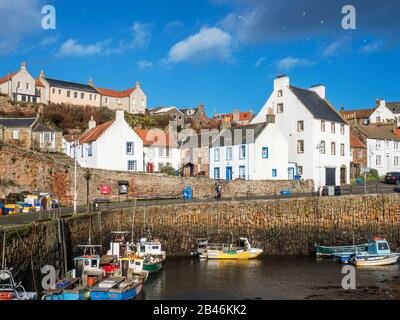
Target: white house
<point>318,137</point>
<point>252,152</point>
<point>21,86</point>
<point>383,148</point>
<point>160,150</point>
<point>382,114</point>
<point>113,145</point>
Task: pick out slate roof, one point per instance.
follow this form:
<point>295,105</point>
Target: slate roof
<point>318,107</point>
<point>382,133</point>
<point>17,122</point>
<point>71,85</point>
<point>394,107</point>
<point>239,135</point>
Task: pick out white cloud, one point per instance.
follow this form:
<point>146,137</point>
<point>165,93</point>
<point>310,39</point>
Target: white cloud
<point>141,35</point>
<point>144,64</point>
<point>338,47</point>
<point>260,61</point>
<point>72,48</point>
<point>289,63</point>
<point>208,43</point>
<point>371,48</point>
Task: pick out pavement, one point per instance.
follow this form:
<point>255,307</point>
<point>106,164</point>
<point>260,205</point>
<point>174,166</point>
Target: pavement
<point>21,219</point>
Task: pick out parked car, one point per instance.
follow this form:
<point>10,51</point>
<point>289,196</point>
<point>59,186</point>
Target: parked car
<point>392,177</point>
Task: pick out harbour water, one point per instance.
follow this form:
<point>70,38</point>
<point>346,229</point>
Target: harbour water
<point>268,278</point>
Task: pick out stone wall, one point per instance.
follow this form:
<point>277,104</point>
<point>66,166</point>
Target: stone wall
<point>32,171</point>
<point>280,227</point>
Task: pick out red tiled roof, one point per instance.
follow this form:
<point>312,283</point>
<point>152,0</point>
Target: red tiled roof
<point>397,132</point>
<point>245,116</point>
<point>7,77</point>
<point>157,141</point>
<point>95,133</point>
<point>39,83</point>
<point>353,114</point>
<point>116,94</point>
<point>355,142</point>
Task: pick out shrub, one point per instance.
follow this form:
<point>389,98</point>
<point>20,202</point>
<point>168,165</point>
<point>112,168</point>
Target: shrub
<point>168,170</point>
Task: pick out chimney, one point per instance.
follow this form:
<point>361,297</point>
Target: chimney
<point>137,84</point>
<point>319,89</point>
<point>236,115</point>
<point>91,83</point>
<point>120,115</point>
<point>281,82</point>
<point>92,123</point>
<point>23,65</point>
<point>380,103</point>
<point>41,76</point>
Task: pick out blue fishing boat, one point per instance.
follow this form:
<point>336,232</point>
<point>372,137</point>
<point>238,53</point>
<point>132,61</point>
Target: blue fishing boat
<point>77,283</point>
<point>124,286</point>
<point>379,254</point>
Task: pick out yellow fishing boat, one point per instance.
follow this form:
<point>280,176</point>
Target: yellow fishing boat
<point>233,252</point>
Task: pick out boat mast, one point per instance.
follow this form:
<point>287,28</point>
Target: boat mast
<point>144,219</point>
<point>3,263</point>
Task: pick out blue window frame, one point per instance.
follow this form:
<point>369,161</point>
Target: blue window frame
<point>274,173</point>
<point>129,148</point>
<point>242,152</point>
<point>217,173</point>
<point>90,149</point>
<point>265,153</point>
<point>229,154</point>
<point>217,155</point>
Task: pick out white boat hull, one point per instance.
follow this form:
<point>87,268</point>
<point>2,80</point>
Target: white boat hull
<point>377,261</point>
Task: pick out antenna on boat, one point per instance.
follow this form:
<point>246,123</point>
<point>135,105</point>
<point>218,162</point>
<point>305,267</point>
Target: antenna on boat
<point>133,218</point>
<point>3,262</point>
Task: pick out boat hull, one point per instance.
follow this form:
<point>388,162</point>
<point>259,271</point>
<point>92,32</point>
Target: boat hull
<point>117,295</point>
<point>376,261</point>
<point>66,297</point>
<point>152,267</point>
<point>322,251</point>
<point>233,256</point>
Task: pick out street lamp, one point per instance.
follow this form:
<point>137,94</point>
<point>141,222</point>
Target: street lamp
<point>75,182</point>
<point>88,175</point>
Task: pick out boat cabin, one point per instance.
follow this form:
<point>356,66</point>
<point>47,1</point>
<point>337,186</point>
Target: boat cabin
<point>149,248</point>
<point>132,264</point>
<point>118,246</point>
<point>378,246</point>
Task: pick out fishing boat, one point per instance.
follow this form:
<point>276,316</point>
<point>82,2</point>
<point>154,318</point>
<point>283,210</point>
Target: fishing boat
<point>232,252</point>
<point>340,251</point>
<point>378,254</point>
<point>201,251</point>
<point>10,290</point>
<point>118,249</point>
<point>123,286</point>
<point>150,251</point>
<point>77,282</point>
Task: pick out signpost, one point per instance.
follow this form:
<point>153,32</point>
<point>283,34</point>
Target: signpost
<point>365,171</point>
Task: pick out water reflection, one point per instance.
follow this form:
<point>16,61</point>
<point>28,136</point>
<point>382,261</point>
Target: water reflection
<point>265,278</point>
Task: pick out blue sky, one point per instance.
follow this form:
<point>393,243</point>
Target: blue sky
<point>223,53</point>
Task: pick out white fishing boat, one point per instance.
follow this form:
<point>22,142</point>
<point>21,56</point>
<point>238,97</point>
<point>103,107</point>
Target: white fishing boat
<point>379,254</point>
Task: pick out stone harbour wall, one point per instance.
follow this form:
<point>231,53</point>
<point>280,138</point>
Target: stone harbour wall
<point>33,171</point>
<point>280,227</point>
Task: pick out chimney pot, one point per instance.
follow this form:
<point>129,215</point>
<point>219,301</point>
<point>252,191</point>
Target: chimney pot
<point>92,123</point>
